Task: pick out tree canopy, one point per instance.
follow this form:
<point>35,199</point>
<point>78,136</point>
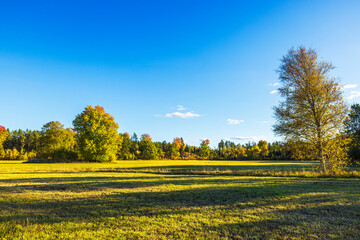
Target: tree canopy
<point>147,148</point>
<point>97,134</point>
<point>56,140</point>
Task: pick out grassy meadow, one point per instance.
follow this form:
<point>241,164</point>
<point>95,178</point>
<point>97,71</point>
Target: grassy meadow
<point>176,200</point>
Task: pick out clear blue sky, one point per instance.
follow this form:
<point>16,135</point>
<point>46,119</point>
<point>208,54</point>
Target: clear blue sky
<point>141,59</point>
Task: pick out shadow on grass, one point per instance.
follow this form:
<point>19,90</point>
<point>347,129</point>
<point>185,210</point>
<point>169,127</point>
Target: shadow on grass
<point>88,183</point>
<point>257,193</point>
<point>320,222</point>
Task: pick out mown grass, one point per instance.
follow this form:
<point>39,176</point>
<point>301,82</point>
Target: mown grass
<point>166,165</point>
<point>103,201</point>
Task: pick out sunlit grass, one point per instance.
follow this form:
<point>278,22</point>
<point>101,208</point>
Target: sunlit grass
<point>14,166</point>
<point>83,201</point>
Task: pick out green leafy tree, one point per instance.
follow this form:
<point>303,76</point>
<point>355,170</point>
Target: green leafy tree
<point>353,130</point>
<point>221,149</point>
<point>32,140</point>
<point>56,141</point>
<point>15,139</point>
<point>160,152</point>
<point>172,152</point>
<point>313,110</point>
<point>21,140</point>
<point>147,148</point>
<point>204,150</point>
<point>135,146</point>
<point>125,152</point>
<point>276,150</point>
<point>97,135</point>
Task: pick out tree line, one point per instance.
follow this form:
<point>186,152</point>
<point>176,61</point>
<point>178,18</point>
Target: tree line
<point>95,138</point>
<point>96,143</point>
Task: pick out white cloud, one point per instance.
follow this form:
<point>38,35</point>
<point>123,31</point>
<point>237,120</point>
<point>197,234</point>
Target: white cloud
<point>180,108</point>
<point>354,94</point>
<point>234,121</point>
<point>275,84</point>
<point>179,113</point>
<point>273,91</point>
<point>182,115</point>
<point>247,138</point>
<point>350,86</point>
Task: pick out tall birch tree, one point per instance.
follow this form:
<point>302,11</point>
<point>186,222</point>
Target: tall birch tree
<point>313,109</point>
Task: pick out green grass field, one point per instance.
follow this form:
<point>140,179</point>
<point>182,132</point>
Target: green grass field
<point>174,200</point>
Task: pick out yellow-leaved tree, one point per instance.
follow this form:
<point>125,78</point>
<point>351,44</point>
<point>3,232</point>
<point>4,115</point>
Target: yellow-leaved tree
<point>3,135</point>
<point>313,110</point>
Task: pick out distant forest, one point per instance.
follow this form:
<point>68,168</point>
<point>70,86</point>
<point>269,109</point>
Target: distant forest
<point>56,142</point>
<point>95,138</point>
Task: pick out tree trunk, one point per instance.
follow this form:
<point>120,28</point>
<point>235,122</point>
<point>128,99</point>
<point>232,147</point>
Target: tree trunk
<point>322,159</point>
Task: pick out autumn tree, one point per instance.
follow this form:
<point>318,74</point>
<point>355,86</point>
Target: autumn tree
<point>300,150</point>
<point>264,148</point>
<point>253,151</point>
<point>3,135</point>
<point>97,134</point>
<point>313,109</point>
<point>177,148</point>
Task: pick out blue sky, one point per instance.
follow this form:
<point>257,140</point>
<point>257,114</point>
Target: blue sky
<point>191,69</point>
